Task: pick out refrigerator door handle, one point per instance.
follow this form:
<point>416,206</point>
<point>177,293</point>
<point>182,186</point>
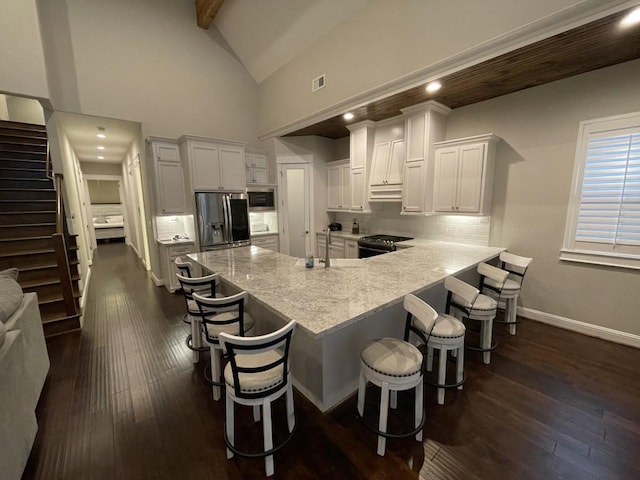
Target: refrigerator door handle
<point>227,200</point>
<point>225,214</point>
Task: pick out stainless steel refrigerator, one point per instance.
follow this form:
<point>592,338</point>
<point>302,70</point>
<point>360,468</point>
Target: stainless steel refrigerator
<point>223,220</point>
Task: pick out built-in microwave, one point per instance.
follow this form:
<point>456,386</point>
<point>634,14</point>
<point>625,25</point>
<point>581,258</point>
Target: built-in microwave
<point>261,199</point>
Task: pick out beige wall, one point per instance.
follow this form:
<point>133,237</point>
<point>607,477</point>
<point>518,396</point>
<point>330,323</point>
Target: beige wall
<point>532,182</point>
<point>22,68</point>
<point>95,168</point>
<point>147,61</point>
<point>21,109</point>
<point>387,42</point>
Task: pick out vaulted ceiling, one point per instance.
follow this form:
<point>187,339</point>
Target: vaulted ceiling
<point>265,35</point>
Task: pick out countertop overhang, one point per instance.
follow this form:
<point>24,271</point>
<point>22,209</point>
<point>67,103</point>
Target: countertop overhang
<point>323,300</point>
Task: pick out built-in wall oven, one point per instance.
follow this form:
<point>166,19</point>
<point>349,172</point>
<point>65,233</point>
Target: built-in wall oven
<point>378,244</point>
<point>261,199</point>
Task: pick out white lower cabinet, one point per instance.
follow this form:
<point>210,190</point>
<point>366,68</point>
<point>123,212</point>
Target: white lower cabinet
<point>169,254</point>
<point>350,249</point>
<point>270,242</point>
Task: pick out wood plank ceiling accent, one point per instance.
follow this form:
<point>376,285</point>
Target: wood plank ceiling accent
<point>589,47</point>
<point>206,11</point>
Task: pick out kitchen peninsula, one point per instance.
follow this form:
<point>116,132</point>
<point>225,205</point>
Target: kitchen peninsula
<point>339,309</point>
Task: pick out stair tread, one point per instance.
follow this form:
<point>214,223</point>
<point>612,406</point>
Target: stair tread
<point>47,319</point>
<point>40,237</point>
<point>55,297</point>
<point>11,189</point>
<point>26,252</point>
<point>29,212</point>
<point>28,179</point>
<point>37,267</point>
<point>44,224</point>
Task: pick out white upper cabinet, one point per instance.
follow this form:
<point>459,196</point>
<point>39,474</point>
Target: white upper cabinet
<point>339,185</point>
<point>213,164</point>
<point>361,151</point>
<point>464,175</point>
<point>169,193</point>
<point>387,164</point>
<point>425,124</point>
<point>256,162</point>
<point>387,171</point>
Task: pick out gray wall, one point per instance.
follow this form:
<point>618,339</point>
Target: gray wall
<point>532,183</point>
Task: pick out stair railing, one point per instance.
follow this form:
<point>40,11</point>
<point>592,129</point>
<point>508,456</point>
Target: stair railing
<point>60,246</point>
<point>48,169</point>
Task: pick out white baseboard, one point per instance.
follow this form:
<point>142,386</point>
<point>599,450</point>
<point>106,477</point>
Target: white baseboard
<point>604,333</point>
<point>85,290</point>
<point>158,282</point>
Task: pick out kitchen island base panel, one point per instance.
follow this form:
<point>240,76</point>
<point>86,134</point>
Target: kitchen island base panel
<point>326,368</point>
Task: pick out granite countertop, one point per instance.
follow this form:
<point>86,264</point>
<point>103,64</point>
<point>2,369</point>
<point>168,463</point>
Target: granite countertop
<point>182,241</point>
<point>325,300</point>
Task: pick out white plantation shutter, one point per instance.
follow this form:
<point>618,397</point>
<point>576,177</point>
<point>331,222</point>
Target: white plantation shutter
<point>610,201</point>
<point>603,219</point>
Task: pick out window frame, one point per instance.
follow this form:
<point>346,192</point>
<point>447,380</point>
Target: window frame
<point>585,252</point>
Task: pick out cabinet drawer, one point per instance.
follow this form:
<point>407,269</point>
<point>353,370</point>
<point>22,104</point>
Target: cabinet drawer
<point>176,251</point>
<point>337,242</point>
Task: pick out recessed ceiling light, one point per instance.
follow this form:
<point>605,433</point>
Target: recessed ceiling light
<point>348,116</point>
<point>100,147</point>
<point>433,87</point>
<point>630,19</point>
<point>101,135</point>
<point>100,157</point>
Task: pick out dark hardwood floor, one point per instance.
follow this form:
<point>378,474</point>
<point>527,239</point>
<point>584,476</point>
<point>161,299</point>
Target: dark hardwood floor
<point>123,401</point>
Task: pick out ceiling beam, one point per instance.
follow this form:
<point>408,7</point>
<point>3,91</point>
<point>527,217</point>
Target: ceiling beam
<point>206,11</point>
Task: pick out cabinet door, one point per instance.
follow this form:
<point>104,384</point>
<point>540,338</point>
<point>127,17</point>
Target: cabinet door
<point>259,175</point>
<point>470,171</point>
<point>205,167</point>
<point>249,175</point>
<point>334,188</point>
<point>345,186</point>
<point>446,178</point>
<point>380,164</point>
<point>248,160</point>
<point>170,187</point>
<point>358,148</point>
<point>357,189</point>
<point>350,249</point>
<point>414,187</point>
<point>336,252</point>
<point>396,163</point>
<point>259,160</point>
<point>232,168</point>
<point>166,151</point>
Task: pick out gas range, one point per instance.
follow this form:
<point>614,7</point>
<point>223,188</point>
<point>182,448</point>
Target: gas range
<point>378,244</point>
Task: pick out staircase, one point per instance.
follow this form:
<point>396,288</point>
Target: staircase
<point>33,238</point>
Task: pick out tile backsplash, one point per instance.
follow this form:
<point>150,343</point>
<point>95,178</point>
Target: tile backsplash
<point>453,228</point>
<point>169,226</point>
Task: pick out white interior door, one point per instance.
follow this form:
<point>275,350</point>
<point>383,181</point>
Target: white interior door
<point>295,193</point>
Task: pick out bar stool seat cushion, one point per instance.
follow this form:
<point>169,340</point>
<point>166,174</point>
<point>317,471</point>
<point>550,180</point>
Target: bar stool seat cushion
<point>230,328</point>
<point>392,357</point>
<point>259,381</point>
<point>510,286</point>
<point>447,326</point>
<point>483,303</point>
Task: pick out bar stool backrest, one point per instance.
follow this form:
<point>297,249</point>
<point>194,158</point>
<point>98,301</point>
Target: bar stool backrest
<point>420,317</point>
<point>185,267</point>
<point>210,310</point>
<point>516,265</point>
<point>205,286</point>
<point>496,274</point>
<point>461,295</point>
<point>236,345</point>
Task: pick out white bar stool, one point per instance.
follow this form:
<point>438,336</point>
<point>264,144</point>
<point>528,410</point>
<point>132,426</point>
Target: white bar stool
<point>516,266</point>
<point>205,286</point>
<point>221,315</point>
<point>258,373</point>
<point>466,301</point>
<point>393,365</point>
<point>437,332</point>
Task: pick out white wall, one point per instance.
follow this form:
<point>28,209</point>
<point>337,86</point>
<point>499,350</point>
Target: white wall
<point>22,69</point>
<point>25,110</point>
<point>147,61</point>
<point>386,42</point>
<point>532,183</point>
<point>95,168</point>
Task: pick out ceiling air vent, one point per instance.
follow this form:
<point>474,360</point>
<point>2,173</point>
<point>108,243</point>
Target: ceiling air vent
<point>318,83</point>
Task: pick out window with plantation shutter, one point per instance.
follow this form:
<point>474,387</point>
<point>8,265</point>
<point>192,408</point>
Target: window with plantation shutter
<point>603,223</point>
